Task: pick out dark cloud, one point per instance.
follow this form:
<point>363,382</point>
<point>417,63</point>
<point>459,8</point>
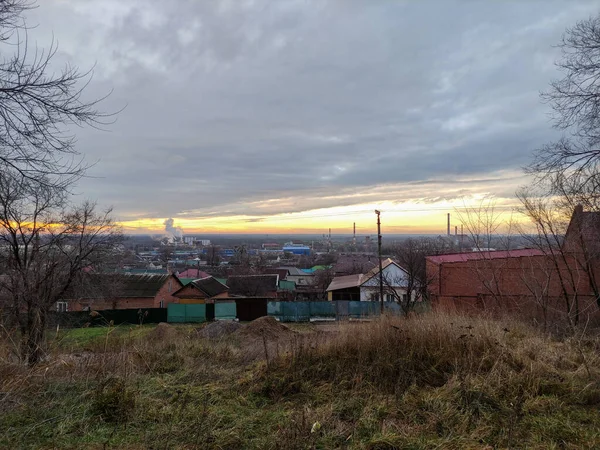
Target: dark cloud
<point>308,104</point>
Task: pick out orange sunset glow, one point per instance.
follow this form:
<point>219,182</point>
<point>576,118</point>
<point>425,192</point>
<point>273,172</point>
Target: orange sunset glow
<point>405,218</point>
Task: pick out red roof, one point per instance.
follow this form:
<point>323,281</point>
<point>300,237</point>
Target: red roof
<point>462,257</point>
<point>193,273</point>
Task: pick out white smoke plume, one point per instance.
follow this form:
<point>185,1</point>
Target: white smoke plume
<point>173,233</point>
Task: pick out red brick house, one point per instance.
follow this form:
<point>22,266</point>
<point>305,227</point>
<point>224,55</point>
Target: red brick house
<point>99,292</point>
<point>539,284</point>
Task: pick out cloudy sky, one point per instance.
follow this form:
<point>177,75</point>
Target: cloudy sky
<point>267,116</point>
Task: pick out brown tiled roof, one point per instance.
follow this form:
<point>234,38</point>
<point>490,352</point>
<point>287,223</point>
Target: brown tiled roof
<point>252,285</point>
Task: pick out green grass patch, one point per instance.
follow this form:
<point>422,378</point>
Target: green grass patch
<point>383,385</point>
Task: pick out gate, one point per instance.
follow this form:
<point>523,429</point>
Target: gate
<point>181,313</point>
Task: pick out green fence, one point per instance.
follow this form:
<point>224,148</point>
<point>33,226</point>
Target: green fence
<point>225,311</point>
<point>179,313</point>
<point>338,310</point>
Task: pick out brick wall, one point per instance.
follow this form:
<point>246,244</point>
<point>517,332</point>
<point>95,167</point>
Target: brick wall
<point>164,294</point>
<point>527,285</point>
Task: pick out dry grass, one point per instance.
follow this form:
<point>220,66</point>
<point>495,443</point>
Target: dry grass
<point>433,381</point>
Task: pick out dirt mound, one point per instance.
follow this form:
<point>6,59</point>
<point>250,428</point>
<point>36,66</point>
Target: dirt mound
<point>162,331</point>
<point>219,329</point>
<point>267,327</point>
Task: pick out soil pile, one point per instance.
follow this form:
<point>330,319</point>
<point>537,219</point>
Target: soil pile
<point>219,329</point>
<point>267,327</point>
<point>162,332</point>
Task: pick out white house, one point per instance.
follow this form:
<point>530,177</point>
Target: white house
<point>365,287</point>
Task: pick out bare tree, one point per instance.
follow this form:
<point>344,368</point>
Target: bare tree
<point>212,256</point>
<point>488,230</point>
<point>46,248</point>
<point>38,104</point>
<point>573,263</point>
<point>323,278</point>
<point>575,102</point>
<point>410,255</point>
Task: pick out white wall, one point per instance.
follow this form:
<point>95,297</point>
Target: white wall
<point>396,277</point>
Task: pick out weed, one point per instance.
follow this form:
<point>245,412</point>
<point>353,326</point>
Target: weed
<point>113,401</point>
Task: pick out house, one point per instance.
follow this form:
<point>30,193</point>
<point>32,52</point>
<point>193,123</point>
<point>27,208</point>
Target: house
<point>283,273</point>
<point>265,285</point>
<point>366,287</point>
<point>121,291</point>
<point>202,290</point>
<point>299,276</point>
<point>346,287</point>
<point>541,284</point>
<point>352,264</point>
<point>474,279</point>
<point>583,234</point>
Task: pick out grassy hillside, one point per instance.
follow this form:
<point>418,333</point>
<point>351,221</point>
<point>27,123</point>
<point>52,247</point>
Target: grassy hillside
<point>427,382</point>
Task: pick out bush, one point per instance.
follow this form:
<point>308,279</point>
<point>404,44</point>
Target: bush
<point>113,401</point>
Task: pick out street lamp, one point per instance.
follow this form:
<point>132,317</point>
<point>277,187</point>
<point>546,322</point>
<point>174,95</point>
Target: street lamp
<point>379,255</point>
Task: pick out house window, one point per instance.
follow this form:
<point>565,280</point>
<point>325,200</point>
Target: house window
<point>62,306</point>
<point>162,304</point>
<point>404,298</point>
<point>389,297</point>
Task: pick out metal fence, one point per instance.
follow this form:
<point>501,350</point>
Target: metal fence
<point>335,310</point>
<point>287,311</point>
<point>182,313</point>
<point>225,311</point>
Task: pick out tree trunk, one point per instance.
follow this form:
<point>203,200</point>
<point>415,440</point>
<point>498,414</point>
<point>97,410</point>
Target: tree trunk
<point>34,339</point>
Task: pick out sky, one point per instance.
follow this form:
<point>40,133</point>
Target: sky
<point>299,116</point>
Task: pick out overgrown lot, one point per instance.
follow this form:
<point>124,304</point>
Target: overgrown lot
<point>426,382</point>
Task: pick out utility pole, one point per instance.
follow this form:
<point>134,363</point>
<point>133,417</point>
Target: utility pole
<point>379,254</point>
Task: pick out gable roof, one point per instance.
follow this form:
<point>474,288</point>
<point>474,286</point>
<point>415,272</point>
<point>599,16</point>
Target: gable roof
<point>282,272</point>
<point>346,282</point>
<point>384,264</point>
<point>208,285</point>
<point>252,285</point>
<point>294,271</point>
<point>193,273</point>
<point>354,263</point>
<point>143,285</point>
<point>120,286</point>
<point>471,256</point>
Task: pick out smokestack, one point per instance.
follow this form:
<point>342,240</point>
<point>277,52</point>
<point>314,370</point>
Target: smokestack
<point>455,231</point>
<point>448,224</point>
